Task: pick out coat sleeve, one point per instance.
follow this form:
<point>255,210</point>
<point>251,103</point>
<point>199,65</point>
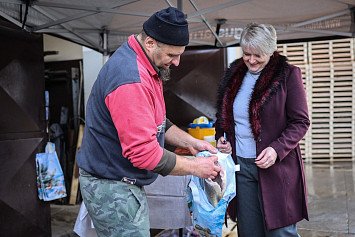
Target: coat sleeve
<point>132,111</point>
<point>223,85</point>
<point>296,113</point>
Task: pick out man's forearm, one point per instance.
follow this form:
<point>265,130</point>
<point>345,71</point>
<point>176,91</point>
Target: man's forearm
<point>203,167</point>
<point>177,137</point>
<point>184,166</point>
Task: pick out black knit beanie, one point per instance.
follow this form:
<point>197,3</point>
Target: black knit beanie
<point>168,26</point>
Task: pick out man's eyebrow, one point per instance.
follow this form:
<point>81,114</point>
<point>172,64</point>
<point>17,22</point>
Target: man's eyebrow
<point>173,55</point>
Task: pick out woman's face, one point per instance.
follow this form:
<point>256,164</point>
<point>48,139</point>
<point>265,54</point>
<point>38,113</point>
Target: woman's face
<point>254,61</point>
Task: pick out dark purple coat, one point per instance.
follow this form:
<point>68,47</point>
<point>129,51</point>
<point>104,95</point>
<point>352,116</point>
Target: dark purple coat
<point>279,118</point>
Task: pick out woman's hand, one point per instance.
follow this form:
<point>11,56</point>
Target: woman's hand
<point>223,145</point>
<point>266,158</point>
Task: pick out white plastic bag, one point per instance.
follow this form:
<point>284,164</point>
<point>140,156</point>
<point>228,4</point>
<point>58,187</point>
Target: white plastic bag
<point>83,224</point>
<point>208,217</point>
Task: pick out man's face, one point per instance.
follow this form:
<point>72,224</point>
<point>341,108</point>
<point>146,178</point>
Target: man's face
<point>164,55</point>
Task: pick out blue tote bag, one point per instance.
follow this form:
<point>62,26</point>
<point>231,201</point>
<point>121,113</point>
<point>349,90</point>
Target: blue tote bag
<point>50,178</point>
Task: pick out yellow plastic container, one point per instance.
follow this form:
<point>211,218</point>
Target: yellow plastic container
<point>200,133</point>
<point>210,139</point>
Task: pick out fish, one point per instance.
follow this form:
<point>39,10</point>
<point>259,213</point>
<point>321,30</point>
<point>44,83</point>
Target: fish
<point>215,189</point>
<point>205,232</point>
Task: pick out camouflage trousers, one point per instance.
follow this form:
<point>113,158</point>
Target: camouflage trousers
<point>116,208</point>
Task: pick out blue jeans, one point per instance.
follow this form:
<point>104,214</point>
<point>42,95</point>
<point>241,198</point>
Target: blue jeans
<point>250,216</point>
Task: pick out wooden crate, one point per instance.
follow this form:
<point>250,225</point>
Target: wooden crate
<point>328,71</point>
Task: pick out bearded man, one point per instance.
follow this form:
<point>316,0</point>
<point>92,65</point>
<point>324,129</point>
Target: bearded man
<point>126,127</point>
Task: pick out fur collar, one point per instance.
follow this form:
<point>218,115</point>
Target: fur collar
<point>266,86</point>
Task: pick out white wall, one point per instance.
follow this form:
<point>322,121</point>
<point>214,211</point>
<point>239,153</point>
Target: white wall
<point>92,63</point>
<point>66,49</point>
<point>233,53</point>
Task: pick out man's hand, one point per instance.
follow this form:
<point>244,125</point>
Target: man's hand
<point>200,145</point>
<point>202,167</point>
<point>206,167</point>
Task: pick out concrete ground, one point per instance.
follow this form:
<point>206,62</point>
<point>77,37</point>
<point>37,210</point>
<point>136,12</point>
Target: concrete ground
<point>331,199</point>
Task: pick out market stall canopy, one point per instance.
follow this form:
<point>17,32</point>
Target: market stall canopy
<point>105,24</point>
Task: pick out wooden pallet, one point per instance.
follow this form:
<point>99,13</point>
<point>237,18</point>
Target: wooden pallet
<point>328,71</point>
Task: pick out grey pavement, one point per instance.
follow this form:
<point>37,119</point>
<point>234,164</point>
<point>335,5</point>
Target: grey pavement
<point>331,200</point>
<point>62,219</point>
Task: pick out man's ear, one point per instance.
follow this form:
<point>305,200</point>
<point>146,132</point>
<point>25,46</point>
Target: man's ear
<point>150,43</point>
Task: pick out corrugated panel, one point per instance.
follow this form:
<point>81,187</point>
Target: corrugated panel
<point>21,134</point>
<point>328,73</point>
<point>192,90</point>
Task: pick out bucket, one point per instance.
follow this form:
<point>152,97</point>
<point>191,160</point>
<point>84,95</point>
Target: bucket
<point>210,139</point>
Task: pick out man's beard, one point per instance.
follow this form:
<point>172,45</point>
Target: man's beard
<point>164,74</point>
